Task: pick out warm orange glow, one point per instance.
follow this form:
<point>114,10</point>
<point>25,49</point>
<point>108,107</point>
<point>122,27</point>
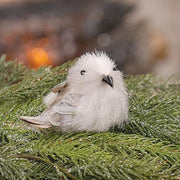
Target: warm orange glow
<point>38,57</point>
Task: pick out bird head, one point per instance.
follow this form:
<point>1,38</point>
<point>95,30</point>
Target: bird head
<point>95,71</point>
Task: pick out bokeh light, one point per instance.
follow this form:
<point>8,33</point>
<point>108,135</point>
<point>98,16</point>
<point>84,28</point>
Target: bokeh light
<point>38,57</point>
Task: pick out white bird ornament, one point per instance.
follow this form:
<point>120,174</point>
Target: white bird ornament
<point>93,98</point>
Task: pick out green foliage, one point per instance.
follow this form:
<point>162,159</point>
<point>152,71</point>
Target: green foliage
<point>10,72</point>
<point>147,147</point>
<point>154,108</point>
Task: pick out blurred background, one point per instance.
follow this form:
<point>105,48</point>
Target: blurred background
<point>142,36</point>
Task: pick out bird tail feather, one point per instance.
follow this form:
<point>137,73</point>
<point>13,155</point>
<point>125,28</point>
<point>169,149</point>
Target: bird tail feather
<point>33,121</point>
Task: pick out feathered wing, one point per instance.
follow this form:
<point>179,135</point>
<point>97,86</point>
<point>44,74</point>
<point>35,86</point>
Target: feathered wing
<point>57,90</point>
<point>35,121</point>
<point>59,114</point>
<point>65,110</point>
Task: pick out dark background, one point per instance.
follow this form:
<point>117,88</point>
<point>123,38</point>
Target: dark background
<point>141,36</point>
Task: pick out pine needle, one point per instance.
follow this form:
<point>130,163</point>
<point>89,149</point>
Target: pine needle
<point>147,147</point>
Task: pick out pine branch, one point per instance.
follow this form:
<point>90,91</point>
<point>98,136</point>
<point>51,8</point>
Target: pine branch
<point>148,146</point>
<point>57,168</point>
<point>154,108</point>
<point>10,72</point>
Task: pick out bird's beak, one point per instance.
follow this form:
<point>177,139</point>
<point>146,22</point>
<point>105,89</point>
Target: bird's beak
<point>108,79</point>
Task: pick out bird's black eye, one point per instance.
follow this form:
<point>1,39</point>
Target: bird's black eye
<point>82,72</point>
<point>115,69</point>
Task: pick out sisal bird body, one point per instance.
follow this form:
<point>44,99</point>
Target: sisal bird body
<point>93,98</point>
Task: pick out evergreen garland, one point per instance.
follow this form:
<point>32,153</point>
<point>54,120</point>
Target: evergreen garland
<point>147,147</point>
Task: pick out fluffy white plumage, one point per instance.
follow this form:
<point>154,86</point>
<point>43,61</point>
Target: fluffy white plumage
<point>93,98</point>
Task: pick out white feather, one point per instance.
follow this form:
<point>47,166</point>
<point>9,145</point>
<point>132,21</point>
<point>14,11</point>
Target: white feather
<point>50,98</point>
<point>89,103</point>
